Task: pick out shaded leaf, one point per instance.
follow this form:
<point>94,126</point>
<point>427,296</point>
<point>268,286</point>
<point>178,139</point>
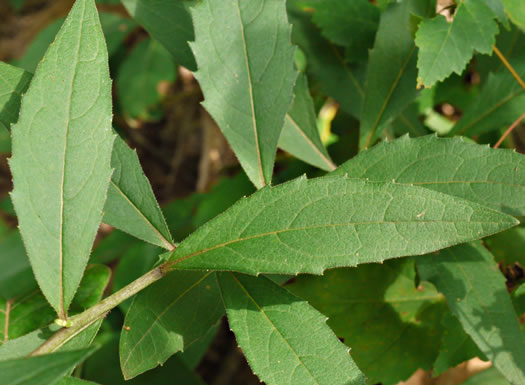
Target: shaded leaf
<point>91,289</point>
<point>392,326</point>
<point>488,377</point>
<point>476,293</point>
<point>492,177</point>
<point>166,318</point>
<point>247,85</point>
<point>13,83</point>
<point>142,80</point>
<point>131,205</point>
<point>61,155</point>
<point>169,22</point>
<point>391,79</point>
<point>45,369</point>
<point>516,11</point>
<point>447,47</point>
<point>284,339</point>
<point>508,247</point>
<point>311,225</point>
<point>300,136</point>
<point>74,381</point>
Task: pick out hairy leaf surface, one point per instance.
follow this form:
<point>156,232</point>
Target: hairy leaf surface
<point>446,47</point>
<point>169,22</point>
<point>391,326</point>
<point>284,339</point>
<point>45,369</point>
<point>300,136</point>
<point>494,178</point>
<point>62,147</point>
<point>168,317</point>
<point>476,293</point>
<point>311,225</point>
<point>131,205</point>
<point>247,81</point>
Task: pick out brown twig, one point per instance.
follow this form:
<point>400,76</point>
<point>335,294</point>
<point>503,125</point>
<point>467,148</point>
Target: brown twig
<point>509,130</point>
<point>509,67</point>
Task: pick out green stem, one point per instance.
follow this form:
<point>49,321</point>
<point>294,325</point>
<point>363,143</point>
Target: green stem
<point>80,322</point>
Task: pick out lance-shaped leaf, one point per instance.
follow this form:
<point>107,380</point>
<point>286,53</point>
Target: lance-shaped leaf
<point>167,318</point>
<point>311,225</point>
<point>300,136</point>
<point>392,326</point>
<point>500,103</point>
<point>168,22</point>
<point>284,339</point>
<point>325,62</point>
<point>46,369</point>
<point>13,83</point>
<point>351,24</point>
<point>247,84</point>
<point>447,47</point>
<point>492,177</point>
<point>131,205</point>
<point>476,293</point>
<point>61,155</point>
<point>392,73</point>
<point>516,11</point>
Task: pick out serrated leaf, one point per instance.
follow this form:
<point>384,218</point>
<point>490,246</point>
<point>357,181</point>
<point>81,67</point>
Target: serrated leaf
<point>45,369</point>
<point>392,326</point>
<point>492,177</point>
<point>166,318</point>
<point>311,225</point>
<point>476,293</point>
<point>447,47</point>
<point>516,11</point>
<point>300,136</point>
<point>131,205</point>
<point>169,22</point>
<point>351,24</point>
<point>141,80</point>
<point>500,103</point>
<point>13,83</point>
<point>326,63</point>
<point>29,311</point>
<point>61,155</point>
<point>456,346</point>
<point>284,339</point>
<point>392,73</point>
<point>247,85</point>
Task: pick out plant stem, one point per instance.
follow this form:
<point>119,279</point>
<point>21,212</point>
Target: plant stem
<point>509,130</point>
<point>83,320</point>
<point>509,67</point>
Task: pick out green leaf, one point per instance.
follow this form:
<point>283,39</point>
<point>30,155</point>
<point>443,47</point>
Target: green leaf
<point>508,247</point>
<point>488,377</point>
<point>392,326</point>
<point>325,62</point>
<point>408,123</point>
<point>116,28</point>
<point>46,369</point>
<point>284,339</point>
<point>476,293</point>
<point>247,86</point>
<point>13,83</point>
<point>141,79</point>
<point>456,346</point>
<point>29,311</point>
<point>500,103</point>
<point>447,47</point>
<point>166,318</point>
<point>299,227</point>
<point>131,205</point>
<point>351,24</point>
<point>516,11</point>
<point>300,136</point>
<point>74,381</point>
<point>392,72</point>
<point>16,276</point>
<point>61,155</point>
<point>491,177</point>
<point>169,22</point>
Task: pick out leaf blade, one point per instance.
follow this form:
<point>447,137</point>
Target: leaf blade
<point>60,188</point>
<point>304,350</point>
<point>13,83</point>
